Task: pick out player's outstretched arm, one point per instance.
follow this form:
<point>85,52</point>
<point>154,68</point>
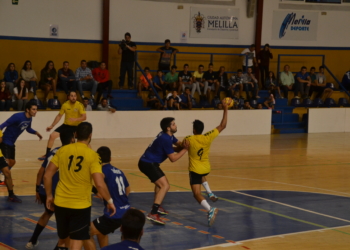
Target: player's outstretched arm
<point>223,123</point>
<point>51,169</point>
<point>103,191</point>
<point>57,119</point>
<point>174,157</point>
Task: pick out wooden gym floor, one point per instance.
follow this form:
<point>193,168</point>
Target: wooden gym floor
<point>312,170</point>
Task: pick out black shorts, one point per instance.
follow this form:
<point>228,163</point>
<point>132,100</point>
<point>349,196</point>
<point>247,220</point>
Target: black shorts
<point>196,178</point>
<point>106,225</point>
<point>74,223</point>
<point>43,201</point>
<point>3,163</point>
<point>65,127</point>
<point>151,170</point>
<point>8,151</point>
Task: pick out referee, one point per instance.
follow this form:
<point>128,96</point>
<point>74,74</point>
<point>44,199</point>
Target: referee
<point>77,165</point>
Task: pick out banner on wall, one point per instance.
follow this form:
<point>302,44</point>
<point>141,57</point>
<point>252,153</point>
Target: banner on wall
<point>214,22</point>
<point>295,25</point>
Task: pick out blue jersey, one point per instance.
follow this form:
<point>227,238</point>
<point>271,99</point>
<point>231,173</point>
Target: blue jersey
<point>55,177</point>
<point>15,126</point>
<point>116,183</point>
<point>159,149</point>
<point>124,245</point>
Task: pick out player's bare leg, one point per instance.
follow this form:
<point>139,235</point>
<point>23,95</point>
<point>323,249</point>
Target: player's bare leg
<point>161,189</point>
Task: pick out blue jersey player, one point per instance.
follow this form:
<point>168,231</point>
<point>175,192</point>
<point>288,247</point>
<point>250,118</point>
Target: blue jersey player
<point>119,190</point>
<point>158,151</point>
<point>66,138</point>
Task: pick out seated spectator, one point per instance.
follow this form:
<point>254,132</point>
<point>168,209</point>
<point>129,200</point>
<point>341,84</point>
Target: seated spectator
<point>20,97</point>
<point>173,100</point>
<point>5,97</point>
<point>132,230</point>
<point>165,57</point>
<point>213,84</point>
<point>158,82</point>
<point>319,85</point>
<point>85,80</point>
<point>250,84</point>
<point>346,80</point>
<point>250,52</point>
<point>66,78</point>
<point>271,84</point>
<point>48,80</point>
<point>86,104</point>
<point>270,102</point>
<point>29,76</point>
<point>143,83</point>
<point>172,79</point>
<point>235,83</point>
<point>246,105</point>
<point>185,80</point>
<point>303,83</point>
<point>11,77</point>
<point>201,84</point>
<point>259,106</point>
<point>103,106</point>
<point>101,76</point>
<point>186,99</point>
<point>287,81</point>
<point>152,101</point>
<point>222,78</point>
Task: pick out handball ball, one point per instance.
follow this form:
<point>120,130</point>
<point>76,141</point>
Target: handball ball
<point>229,102</point>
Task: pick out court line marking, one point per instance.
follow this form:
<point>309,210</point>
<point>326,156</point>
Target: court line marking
<point>287,205</point>
<point>6,246</point>
<point>35,222</point>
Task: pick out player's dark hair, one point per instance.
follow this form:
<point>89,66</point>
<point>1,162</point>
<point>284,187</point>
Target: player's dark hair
<point>70,91</point>
<point>30,104</point>
<point>198,126</point>
<point>127,34</point>
<point>66,137</point>
<point>105,154</point>
<point>132,224</point>
<point>165,123</point>
<point>167,41</point>
<point>84,129</point>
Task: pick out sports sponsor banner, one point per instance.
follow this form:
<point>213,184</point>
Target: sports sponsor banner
<point>214,22</point>
<point>295,25</point>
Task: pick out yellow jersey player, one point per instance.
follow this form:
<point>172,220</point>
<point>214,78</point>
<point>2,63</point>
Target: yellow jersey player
<point>199,165</point>
<point>75,114</point>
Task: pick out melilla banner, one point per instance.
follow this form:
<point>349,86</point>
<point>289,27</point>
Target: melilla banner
<point>214,22</point>
<point>294,25</point>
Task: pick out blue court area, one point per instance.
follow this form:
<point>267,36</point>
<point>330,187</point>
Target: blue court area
<point>242,215</point>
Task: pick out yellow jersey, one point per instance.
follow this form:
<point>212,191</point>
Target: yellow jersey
<point>1,155</point>
<point>72,111</point>
<point>198,153</point>
<point>76,163</point>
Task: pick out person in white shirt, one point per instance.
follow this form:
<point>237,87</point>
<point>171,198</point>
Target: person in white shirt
<point>250,52</point>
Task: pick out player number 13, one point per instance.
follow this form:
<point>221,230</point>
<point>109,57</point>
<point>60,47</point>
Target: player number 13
<point>79,159</point>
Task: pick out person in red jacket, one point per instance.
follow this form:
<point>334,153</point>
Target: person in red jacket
<point>101,75</point>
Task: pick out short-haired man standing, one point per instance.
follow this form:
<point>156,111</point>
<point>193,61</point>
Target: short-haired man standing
<point>166,54</point>
<point>78,165</point>
<point>127,49</point>
<point>250,52</point>
<point>85,80</point>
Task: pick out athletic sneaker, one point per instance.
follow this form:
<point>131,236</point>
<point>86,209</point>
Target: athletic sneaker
<point>42,158</point>
<point>31,246</point>
<point>212,215</point>
<point>155,218</point>
<point>162,211</point>
<point>212,197</point>
<point>14,198</point>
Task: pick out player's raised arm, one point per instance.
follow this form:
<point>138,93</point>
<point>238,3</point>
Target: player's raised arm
<point>223,123</point>
<point>57,119</point>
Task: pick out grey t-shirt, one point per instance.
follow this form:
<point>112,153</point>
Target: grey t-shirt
<point>321,78</point>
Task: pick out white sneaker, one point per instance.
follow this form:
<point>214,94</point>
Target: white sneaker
<point>35,97</point>
<point>31,89</point>
<point>31,246</point>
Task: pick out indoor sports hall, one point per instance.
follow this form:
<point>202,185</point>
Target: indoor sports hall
<point>281,173</point>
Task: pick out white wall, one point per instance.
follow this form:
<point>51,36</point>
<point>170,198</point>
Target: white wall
<point>78,19</point>
<point>138,124</point>
<point>325,120</point>
<point>333,28</point>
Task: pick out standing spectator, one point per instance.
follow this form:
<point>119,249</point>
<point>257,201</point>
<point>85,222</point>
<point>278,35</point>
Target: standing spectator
<point>346,80</point>
<point>143,83</point>
<point>185,80</point>
<point>86,104</point>
<point>250,52</point>
<point>174,101</point>
<point>48,80</point>
<point>303,83</point>
<point>172,79</point>
<point>165,57</point>
<point>11,77</point>
<point>158,81</point>
<point>320,85</point>
<point>29,76</point>
<point>85,80</point>
<point>101,75</point>
<point>235,83</point>
<point>272,85</point>
<point>127,49</point>
<point>5,97</point>
<point>103,106</point>
<point>186,99</point>
<point>201,84</point>
<point>250,83</point>
<point>20,95</point>
<point>264,57</point>
<point>66,78</point>
<point>222,78</point>
<point>211,77</point>
<point>287,81</point>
